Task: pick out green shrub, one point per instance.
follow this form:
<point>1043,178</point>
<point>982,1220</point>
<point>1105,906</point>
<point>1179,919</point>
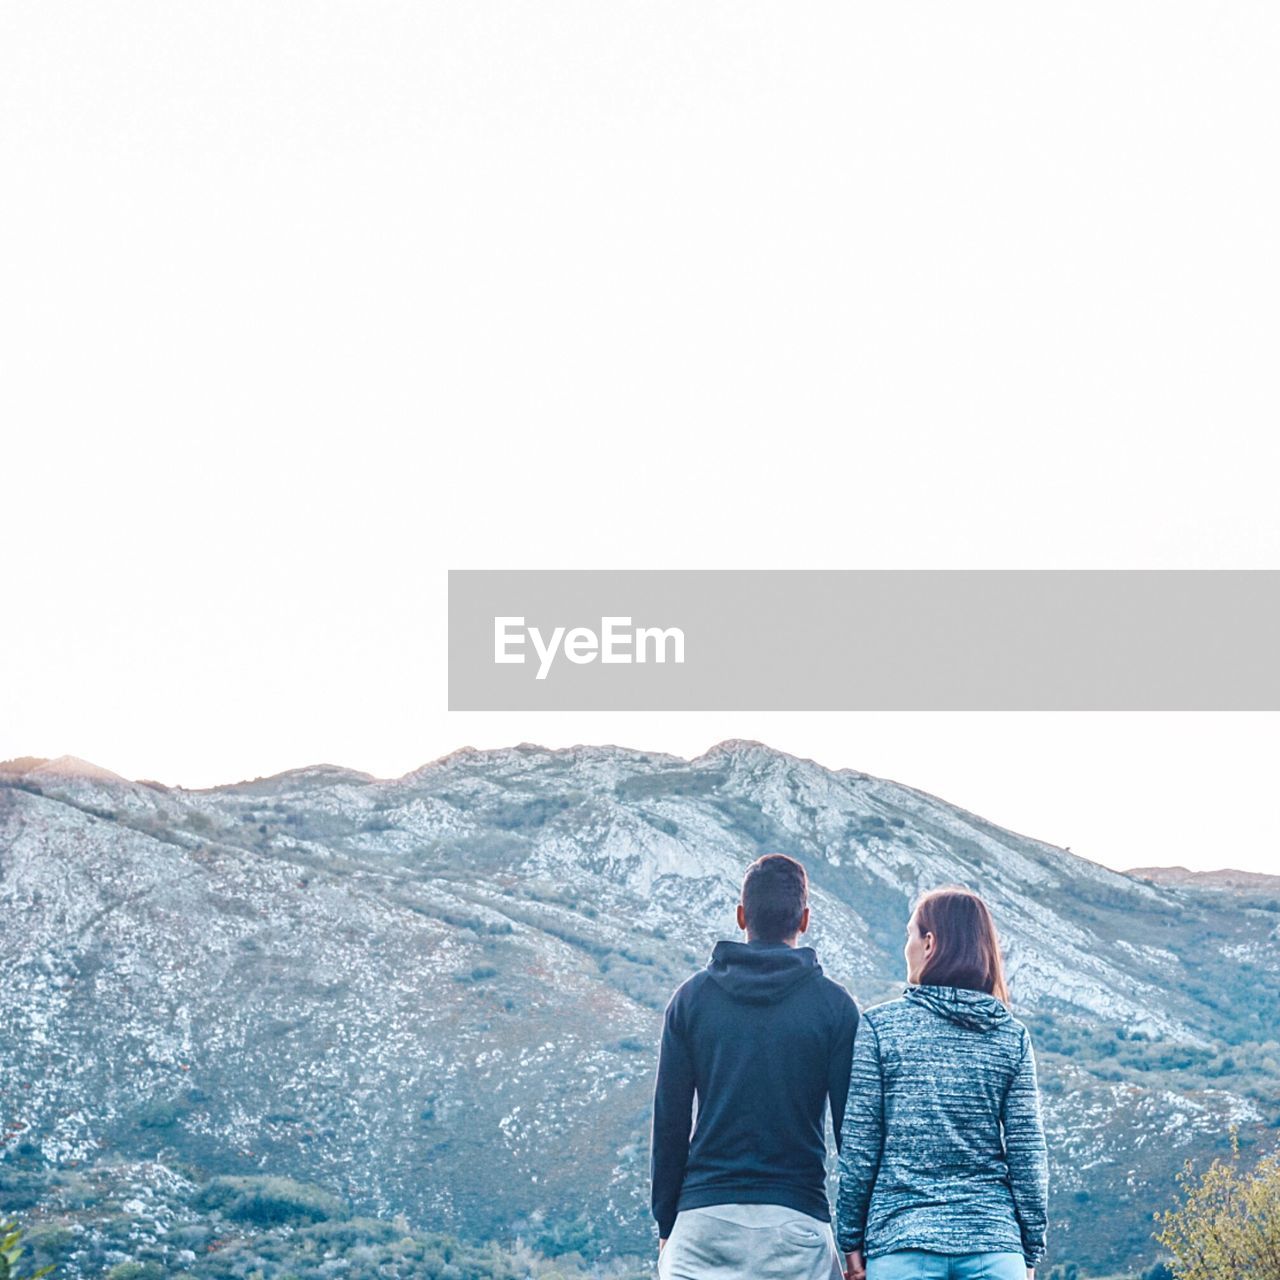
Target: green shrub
<point>1227,1222</point>
<point>136,1271</point>
<point>269,1201</point>
<point>11,1251</point>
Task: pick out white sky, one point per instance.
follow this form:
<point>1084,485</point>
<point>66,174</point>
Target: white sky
<point>306,304</point>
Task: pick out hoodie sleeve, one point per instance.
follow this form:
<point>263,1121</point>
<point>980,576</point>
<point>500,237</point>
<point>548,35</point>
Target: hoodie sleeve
<point>839,1064</point>
<point>863,1138</point>
<point>672,1119</point>
<point>1026,1153</point>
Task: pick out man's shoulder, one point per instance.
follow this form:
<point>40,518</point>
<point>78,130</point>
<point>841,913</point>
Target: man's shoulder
<point>833,996</point>
<point>837,997</point>
<point>688,989</point>
<point>694,982</point>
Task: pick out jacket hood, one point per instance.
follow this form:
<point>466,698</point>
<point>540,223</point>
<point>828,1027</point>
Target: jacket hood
<point>761,972</point>
<point>973,1009</point>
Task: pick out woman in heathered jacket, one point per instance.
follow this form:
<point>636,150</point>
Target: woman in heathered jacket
<point>943,1171</point>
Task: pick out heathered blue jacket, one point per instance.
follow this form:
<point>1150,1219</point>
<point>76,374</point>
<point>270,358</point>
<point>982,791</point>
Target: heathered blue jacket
<point>763,1038</point>
<point>943,1146</point>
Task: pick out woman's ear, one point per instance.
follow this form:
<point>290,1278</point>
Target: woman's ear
<point>930,945</point>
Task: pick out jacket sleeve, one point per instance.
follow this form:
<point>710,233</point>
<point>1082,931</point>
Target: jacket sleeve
<point>839,1064</point>
<point>672,1120</point>
<point>862,1139</point>
<point>1027,1154</point>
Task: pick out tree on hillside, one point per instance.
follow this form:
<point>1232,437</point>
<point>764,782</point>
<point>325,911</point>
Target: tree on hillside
<point>1227,1222</point>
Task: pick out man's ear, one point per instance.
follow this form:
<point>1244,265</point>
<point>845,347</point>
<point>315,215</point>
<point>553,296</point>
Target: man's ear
<point>742,917</point>
<point>804,920</point>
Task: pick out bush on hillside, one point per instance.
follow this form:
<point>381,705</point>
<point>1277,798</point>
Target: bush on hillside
<point>267,1201</point>
<point>11,1251</point>
<point>1227,1222</point>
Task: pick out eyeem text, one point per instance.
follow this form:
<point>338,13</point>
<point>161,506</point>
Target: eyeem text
<point>616,641</point>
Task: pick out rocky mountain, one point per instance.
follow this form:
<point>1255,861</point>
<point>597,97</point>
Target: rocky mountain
<point>439,996</point>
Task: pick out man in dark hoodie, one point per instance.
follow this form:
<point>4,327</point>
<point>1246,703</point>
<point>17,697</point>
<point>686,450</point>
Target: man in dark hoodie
<point>762,1039</point>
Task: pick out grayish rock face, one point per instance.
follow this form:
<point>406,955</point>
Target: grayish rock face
<point>440,995</point>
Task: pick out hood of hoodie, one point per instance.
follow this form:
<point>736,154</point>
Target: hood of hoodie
<point>973,1009</point>
<point>761,972</point>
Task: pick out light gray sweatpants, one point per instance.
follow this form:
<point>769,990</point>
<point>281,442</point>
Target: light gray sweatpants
<point>749,1242</point>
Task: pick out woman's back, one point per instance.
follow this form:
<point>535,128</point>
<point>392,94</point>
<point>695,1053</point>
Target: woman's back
<point>942,1147</point>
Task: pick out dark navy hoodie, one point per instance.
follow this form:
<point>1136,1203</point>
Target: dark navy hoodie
<point>762,1039</point>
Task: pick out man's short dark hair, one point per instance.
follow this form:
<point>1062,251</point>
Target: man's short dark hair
<point>775,892</point>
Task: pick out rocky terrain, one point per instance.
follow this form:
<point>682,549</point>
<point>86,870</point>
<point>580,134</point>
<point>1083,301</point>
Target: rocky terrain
<point>439,996</point>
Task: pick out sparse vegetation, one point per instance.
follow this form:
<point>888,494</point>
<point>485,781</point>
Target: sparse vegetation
<point>277,1229</point>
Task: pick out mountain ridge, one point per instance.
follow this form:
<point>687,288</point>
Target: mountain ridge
<point>75,766</point>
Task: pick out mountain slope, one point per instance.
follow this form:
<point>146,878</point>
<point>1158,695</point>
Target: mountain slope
<point>440,995</point>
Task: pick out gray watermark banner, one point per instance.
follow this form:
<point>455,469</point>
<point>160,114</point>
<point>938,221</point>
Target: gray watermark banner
<point>864,640</point>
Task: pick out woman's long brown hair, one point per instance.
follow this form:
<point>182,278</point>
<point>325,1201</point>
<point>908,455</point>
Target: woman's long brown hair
<point>966,946</point>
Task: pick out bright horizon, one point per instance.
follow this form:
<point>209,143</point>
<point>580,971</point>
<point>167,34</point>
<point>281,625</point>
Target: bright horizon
<point>309,305</point>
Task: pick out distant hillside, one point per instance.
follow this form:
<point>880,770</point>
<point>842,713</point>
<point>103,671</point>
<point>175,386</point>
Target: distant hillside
<point>440,996</point>
<point>1246,881</point>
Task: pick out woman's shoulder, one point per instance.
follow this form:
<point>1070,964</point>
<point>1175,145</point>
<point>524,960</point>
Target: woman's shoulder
<point>914,1014</point>
<point>886,1008</point>
<point>888,1014</point>
<point>1022,1032</point>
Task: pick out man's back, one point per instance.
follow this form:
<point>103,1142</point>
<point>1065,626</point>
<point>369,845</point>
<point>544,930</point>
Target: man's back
<point>763,1039</point>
